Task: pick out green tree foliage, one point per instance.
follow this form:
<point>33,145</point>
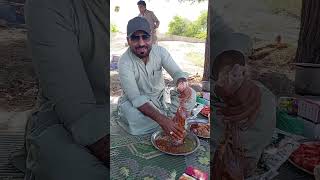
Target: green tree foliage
<point>183,27</point>
<point>178,25</point>
<point>114,28</point>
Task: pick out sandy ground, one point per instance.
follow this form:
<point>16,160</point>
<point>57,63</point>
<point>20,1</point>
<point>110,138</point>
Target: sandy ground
<point>17,78</point>
<point>256,19</point>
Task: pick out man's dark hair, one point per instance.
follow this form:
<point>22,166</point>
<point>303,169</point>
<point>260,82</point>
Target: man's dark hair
<point>224,59</point>
<point>141,3</point>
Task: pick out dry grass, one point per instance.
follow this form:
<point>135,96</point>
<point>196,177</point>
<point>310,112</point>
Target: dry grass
<point>196,58</point>
<point>290,7</point>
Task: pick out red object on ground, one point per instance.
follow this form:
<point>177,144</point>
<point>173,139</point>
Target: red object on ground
<point>196,173</point>
<point>307,156</point>
<point>205,111</point>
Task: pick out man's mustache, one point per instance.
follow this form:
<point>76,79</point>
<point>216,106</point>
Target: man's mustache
<point>141,47</point>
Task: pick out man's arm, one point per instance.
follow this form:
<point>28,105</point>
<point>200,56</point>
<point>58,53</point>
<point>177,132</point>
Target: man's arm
<point>171,66</point>
<point>142,102</point>
<point>57,60</point>
<point>155,20</point>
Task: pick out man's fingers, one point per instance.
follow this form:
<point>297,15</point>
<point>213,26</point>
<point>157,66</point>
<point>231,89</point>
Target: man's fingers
<point>179,131</point>
<point>177,134</point>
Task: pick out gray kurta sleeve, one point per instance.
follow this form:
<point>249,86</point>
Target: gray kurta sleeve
<point>155,20</point>
<point>61,71</point>
<point>171,66</point>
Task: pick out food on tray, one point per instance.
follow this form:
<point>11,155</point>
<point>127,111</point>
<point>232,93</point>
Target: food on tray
<point>164,143</point>
<point>200,129</point>
<point>307,156</point>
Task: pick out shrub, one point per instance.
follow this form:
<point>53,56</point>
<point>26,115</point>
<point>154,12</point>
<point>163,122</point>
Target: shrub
<point>178,25</point>
<point>114,28</point>
<point>183,27</point>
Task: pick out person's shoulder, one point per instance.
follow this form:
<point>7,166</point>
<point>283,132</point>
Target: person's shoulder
<point>159,49</point>
<point>125,57</point>
<point>149,11</point>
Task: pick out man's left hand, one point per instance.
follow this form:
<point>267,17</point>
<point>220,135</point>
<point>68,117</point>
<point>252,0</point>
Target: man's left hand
<point>183,88</point>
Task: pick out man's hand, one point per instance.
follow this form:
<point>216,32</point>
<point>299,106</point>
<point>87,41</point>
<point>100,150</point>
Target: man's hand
<point>242,106</point>
<point>183,88</point>
<point>167,125</point>
<point>100,149</point>
<point>171,128</point>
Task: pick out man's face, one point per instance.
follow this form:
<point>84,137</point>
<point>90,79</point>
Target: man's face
<point>142,8</point>
<point>140,44</point>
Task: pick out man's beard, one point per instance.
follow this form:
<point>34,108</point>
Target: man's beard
<point>141,51</point>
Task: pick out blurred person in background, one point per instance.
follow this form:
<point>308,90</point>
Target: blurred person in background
<point>151,18</point>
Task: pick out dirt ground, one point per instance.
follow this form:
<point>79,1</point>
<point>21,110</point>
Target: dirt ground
<point>18,84</point>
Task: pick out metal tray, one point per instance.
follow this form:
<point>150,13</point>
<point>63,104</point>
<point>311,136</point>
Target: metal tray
<point>303,141</point>
<point>191,136</point>
<point>197,121</point>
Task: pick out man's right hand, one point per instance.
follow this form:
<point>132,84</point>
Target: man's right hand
<point>167,124</point>
<point>171,128</point>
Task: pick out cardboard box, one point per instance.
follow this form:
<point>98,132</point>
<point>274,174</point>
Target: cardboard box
<point>309,108</point>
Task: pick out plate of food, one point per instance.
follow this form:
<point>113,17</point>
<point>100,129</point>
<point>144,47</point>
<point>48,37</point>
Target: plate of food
<point>163,143</point>
<point>200,129</point>
<point>307,156</point>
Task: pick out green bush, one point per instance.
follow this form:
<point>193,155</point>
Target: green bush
<point>178,25</point>
<point>183,27</point>
<point>114,28</point>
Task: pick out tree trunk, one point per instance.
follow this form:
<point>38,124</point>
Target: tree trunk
<point>206,71</point>
<point>309,39</point>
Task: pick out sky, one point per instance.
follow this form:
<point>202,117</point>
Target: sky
<point>165,10</point>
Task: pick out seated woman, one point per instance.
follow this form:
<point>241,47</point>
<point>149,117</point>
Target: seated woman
<point>245,120</point>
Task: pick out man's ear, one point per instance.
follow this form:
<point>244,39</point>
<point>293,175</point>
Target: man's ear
<point>128,41</point>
